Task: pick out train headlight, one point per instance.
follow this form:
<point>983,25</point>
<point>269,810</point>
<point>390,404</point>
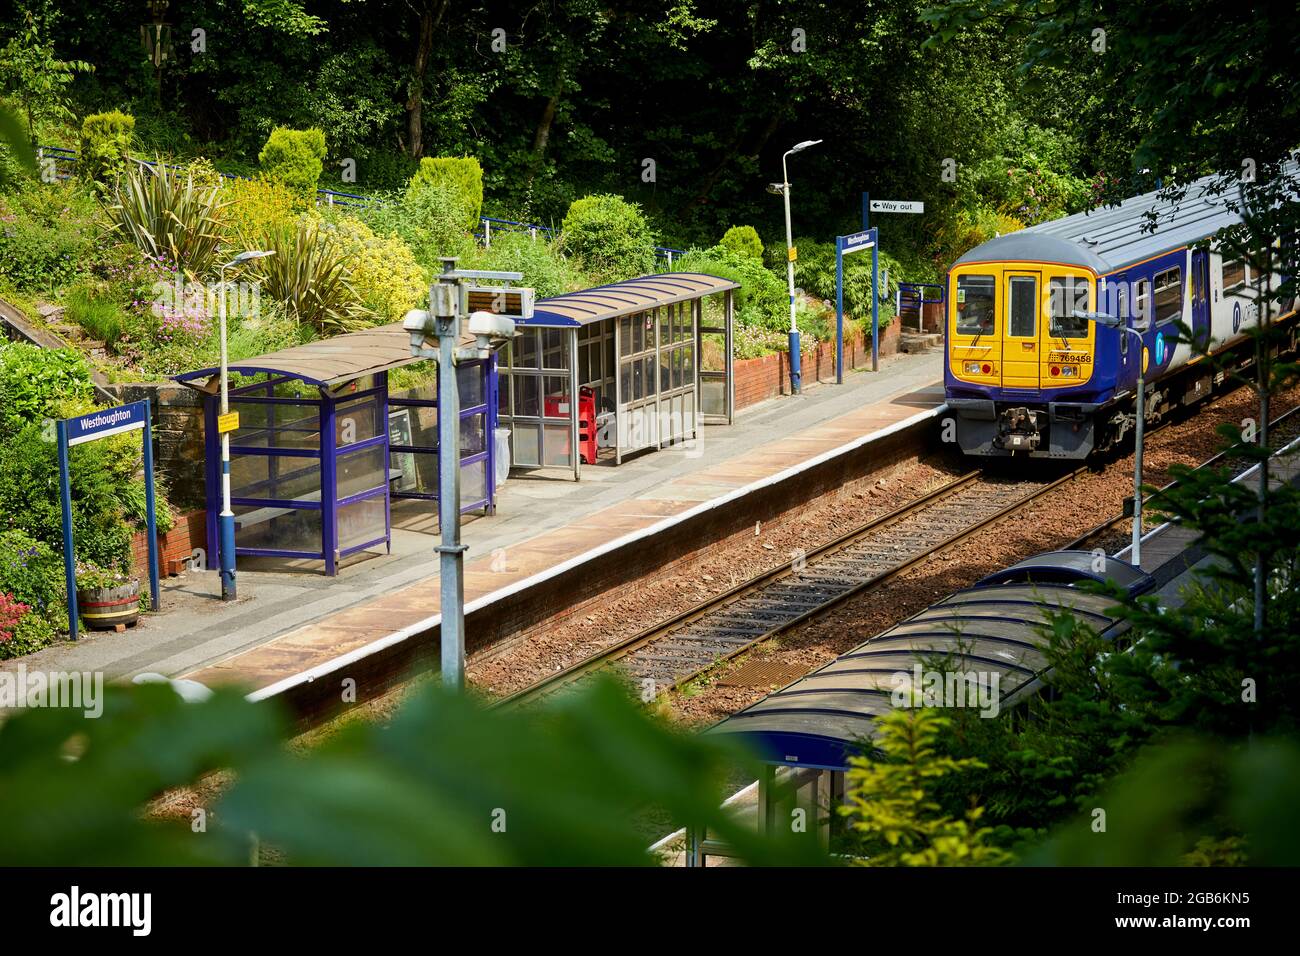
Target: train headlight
<point>977,368</point>
<point>1065,371</point>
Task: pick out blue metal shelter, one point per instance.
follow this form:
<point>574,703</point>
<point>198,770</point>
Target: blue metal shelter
<point>322,447</point>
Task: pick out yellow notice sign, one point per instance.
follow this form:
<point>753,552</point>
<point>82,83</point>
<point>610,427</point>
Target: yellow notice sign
<point>793,254</point>
<point>227,423</point>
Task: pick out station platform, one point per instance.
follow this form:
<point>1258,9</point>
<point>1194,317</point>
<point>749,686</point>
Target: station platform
<point>551,541</point>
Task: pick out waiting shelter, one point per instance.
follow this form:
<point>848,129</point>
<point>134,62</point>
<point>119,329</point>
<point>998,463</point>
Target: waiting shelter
<point>632,354</point>
<point>322,447</point>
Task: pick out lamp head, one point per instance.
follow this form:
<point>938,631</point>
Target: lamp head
<point>800,147</point>
<point>243,257</point>
<point>776,189</point>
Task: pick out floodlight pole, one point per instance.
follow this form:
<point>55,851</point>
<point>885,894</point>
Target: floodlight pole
<point>444,307</point>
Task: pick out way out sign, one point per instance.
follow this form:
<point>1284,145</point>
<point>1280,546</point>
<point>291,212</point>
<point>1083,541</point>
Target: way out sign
<point>89,427</point>
<point>897,205</point>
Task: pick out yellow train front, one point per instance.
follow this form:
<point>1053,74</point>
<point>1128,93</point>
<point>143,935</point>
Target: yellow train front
<point>1024,376</point>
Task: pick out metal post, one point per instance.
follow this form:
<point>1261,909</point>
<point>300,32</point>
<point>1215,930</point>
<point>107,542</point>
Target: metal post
<point>729,311</point>
<point>866,211</point>
<point>69,555</point>
<point>227,517</point>
<point>1136,554</point>
<point>796,377</point>
<point>875,303</point>
<point>839,310</point>
<point>151,527</point>
<point>487,234</point>
<point>451,551</point>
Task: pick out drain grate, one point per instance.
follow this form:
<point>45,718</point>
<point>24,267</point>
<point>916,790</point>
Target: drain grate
<point>763,672</point>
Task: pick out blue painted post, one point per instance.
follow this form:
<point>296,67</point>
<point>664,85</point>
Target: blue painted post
<point>382,379</point>
<point>151,525</point>
<point>875,302</point>
<point>328,484</point>
<point>839,310</point>
<point>866,211</point>
<point>69,557</point>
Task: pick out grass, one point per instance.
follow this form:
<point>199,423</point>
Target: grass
<point>100,319</point>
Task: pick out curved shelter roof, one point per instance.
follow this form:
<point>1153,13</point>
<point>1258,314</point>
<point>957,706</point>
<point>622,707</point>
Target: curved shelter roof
<point>823,718</point>
<point>326,362</point>
<point>625,298</point>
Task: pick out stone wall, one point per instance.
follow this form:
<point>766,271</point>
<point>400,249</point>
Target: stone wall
<point>179,455</point>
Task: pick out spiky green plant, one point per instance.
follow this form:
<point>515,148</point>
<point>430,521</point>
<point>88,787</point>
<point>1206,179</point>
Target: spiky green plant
<point>170,217</point>
<point>309,274</point>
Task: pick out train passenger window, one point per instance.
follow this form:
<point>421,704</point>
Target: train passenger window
<point>975,305</point>
<point>1234,274</point>
<point>1141,300</point>
<point>1169,295</point>
<point>1066,295</point>
<point>1023,307</point>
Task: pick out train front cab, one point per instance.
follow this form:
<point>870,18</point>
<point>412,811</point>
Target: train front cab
<point>1021,369</point>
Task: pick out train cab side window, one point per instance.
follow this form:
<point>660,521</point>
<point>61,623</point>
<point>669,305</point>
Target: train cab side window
<point>974,305</point>
<point>1234,274</point>
<point>1169,295</point>
<point>1066,295</point>
<point>1123,313</point>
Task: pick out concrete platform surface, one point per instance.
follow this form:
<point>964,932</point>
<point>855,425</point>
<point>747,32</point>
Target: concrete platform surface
<point>290,617</point>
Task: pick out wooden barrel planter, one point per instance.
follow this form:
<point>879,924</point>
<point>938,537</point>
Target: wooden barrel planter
<point>105,608</point>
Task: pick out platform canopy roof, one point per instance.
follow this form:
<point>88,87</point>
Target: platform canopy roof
<point>823,718</point>
<point>325,362</point>
<point>625,298</point>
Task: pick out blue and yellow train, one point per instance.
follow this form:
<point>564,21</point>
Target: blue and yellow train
<point>1025,376</point>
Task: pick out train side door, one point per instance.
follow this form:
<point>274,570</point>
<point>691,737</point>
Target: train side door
<point>1021,345</point>
<point>1127,347</point>
<point>1200,296</point>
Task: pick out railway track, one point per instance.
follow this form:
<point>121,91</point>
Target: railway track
<point>667,655</point>
<point>1283,429</point>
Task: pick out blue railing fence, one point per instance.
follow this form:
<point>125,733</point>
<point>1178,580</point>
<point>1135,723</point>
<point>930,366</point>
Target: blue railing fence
<point>331,197</point>
<point>912,297</point>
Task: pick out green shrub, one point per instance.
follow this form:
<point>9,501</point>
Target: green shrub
<point>430,220</point>
<point>32,572</point>
<point>255,207</point>
<point>46,230</point>
<point>744,241</point>
<point>309,275</point>
<point>544,266</point>
<point>32,633</point>
<point>610,236</point>
<point>170,218</point>
<point>32,379</point>
<point>101,319</point>
<point>464,176</point>
<point>762,301</point>
<point>381,268</point>
<point>295,158</point>
<point>105,143</point>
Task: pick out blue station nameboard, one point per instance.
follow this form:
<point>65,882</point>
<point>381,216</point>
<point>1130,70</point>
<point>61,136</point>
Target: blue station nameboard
<point>110,421</point>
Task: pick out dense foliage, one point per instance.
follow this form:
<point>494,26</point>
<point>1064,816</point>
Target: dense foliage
<point>294,158</point>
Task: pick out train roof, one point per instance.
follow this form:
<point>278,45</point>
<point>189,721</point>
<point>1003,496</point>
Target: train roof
<point>1109,238</point>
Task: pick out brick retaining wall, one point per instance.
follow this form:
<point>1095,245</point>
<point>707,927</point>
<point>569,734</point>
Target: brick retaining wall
<point>768,376</point>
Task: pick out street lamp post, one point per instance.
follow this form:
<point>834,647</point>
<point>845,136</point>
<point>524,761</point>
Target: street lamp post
<point>783,188</point>
<point>226,520</point>
<point>1115,322</point>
